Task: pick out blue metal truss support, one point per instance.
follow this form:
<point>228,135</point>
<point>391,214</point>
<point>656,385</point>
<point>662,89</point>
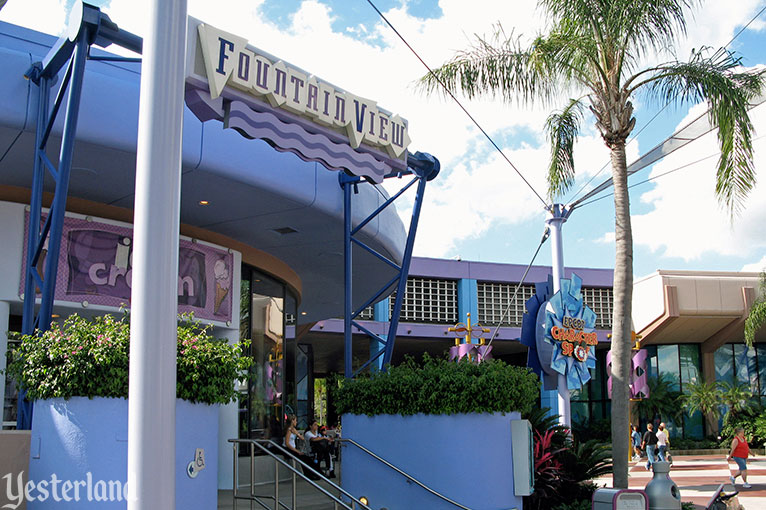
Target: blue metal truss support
<point>44,243</point>
<point>424,168</point>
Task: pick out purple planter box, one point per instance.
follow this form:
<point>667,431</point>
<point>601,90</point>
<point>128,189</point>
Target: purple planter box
<point>467,458</point>
<point>80,447</point>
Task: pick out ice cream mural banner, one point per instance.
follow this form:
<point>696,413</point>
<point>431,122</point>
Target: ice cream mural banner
<point>97,269</point>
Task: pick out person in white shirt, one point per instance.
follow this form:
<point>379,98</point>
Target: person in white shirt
<point>662,442</point>
<point>320,445</point>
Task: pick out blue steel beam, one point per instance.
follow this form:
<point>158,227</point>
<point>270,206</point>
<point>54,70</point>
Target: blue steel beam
<point>424,167</point>
<point>72,50</point>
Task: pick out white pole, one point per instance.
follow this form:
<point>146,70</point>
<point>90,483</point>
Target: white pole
<point>557,215</point>
<point>154,300</point>
<point>5,311</point>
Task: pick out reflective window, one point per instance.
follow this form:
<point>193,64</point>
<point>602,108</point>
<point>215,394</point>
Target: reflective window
<point>668,363</point>
<point>760,350</point>
<point>724,364</point>
<point>265,305</point>
<point>689,355</point>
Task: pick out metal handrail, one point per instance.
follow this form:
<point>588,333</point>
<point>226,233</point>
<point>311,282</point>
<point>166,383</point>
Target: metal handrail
<point>337,502</point>
<point>409,477</point>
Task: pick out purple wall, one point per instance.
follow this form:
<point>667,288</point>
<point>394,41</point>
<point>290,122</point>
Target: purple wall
<point>71,438</point>
<point>466,457</point>
<point>497,272</point>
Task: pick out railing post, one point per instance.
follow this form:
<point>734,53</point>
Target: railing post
<point>295,491</point>
<point>252,469</point>
<point>235,447</point>
<point>276,484</point>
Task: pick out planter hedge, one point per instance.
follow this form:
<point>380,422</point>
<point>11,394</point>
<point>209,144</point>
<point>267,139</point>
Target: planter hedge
<point>89,358</point>
<point>438,386</point>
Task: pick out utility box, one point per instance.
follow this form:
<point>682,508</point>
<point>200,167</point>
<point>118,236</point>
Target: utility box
<point>620,499</point>
<point>523,457</point>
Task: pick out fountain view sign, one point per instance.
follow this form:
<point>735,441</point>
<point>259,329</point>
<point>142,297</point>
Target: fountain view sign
<point>229,61</point>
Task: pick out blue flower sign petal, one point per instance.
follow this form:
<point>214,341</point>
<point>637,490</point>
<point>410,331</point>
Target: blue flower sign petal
<point>564,336</point>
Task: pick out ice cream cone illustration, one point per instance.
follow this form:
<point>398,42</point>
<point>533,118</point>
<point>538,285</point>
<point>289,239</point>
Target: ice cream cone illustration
<point>221,284</point>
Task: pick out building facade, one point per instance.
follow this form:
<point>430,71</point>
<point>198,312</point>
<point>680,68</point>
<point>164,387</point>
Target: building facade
<point>262,230</point>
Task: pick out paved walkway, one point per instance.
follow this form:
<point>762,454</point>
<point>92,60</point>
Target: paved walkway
<point>698,477</point>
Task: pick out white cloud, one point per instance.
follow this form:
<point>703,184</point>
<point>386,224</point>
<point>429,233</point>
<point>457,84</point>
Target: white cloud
<point>46,16</point>
<point>686,220</point>
<point>477,189</point>
<point>607,238</point>
<point>755,267</point>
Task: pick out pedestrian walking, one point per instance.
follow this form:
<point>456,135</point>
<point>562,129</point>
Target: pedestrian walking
<point>635,438</point>
<point>739,453</point>
<point>662,442</point>
<point>649,444</point>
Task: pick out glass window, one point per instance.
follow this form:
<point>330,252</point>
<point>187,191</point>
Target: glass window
<point>689,355</point>
<point>667,363</point>
<point>693,428</point>
<point>580,413</point>
<point>724,364</point>
<point>651,361</point>
<point>599,376</point>
<point>761,351</point>
<point>745,366</point>
<point>267,343</point>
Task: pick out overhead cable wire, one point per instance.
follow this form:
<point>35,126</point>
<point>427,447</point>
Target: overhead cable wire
<point>634,137</point>
<point>454,98</point>
<point>546,233</point>
<point>655,177</point>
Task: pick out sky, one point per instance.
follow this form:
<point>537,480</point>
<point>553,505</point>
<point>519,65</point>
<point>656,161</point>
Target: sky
<point>478,208</point>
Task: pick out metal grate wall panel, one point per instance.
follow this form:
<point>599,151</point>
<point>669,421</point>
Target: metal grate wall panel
<point>493,299</point>
<point>601,301</point>
<point>428,301</point>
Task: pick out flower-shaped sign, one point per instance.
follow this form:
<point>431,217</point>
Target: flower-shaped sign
<point>562,337</point>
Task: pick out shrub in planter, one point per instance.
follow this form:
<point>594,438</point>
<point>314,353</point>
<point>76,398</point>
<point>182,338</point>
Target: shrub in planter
<point>441,422</point>
<point>89,358</point>
<point>78,374</point>
<point>438,386</point>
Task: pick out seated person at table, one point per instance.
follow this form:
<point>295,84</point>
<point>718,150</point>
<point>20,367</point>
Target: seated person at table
<point>320,445</point>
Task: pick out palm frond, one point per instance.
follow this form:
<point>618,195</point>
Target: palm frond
<point>562,128</point>
<point>704,397</point>
<point>714,77</point>
<point>736,396</point>
<point>624,27</point>
<point>756,319</point>
<point>500,66</point>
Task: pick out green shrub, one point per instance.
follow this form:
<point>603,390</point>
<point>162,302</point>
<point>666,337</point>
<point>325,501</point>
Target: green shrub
<point>694,444</point>
<point>581,504</point>
<point>687,505</point>
<point>752,419</point>
<point>440,387</point>
<point>89,358</point>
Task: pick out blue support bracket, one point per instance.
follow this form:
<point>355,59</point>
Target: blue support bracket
<point>423,167</point>
<point>88,26</point>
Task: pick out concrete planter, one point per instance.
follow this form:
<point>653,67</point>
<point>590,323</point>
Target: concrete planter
<point>467,458</point>
<point>80,446</point>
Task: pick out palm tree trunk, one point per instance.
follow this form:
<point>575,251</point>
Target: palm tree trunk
<point>621,317</point>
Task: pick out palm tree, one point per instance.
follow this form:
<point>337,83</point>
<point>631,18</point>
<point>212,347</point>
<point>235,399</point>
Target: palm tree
<point>736,396</point>
<point>662,400</point>
<point>594,47</point>
<point>707,398</point>
<point>756,319</point>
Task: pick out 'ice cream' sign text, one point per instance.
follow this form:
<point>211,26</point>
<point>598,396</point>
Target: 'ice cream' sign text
<point>228,61</point>
<point>97,269</point>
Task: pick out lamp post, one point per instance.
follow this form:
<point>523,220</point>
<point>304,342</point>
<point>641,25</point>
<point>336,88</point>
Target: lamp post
<point>557,216</point>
